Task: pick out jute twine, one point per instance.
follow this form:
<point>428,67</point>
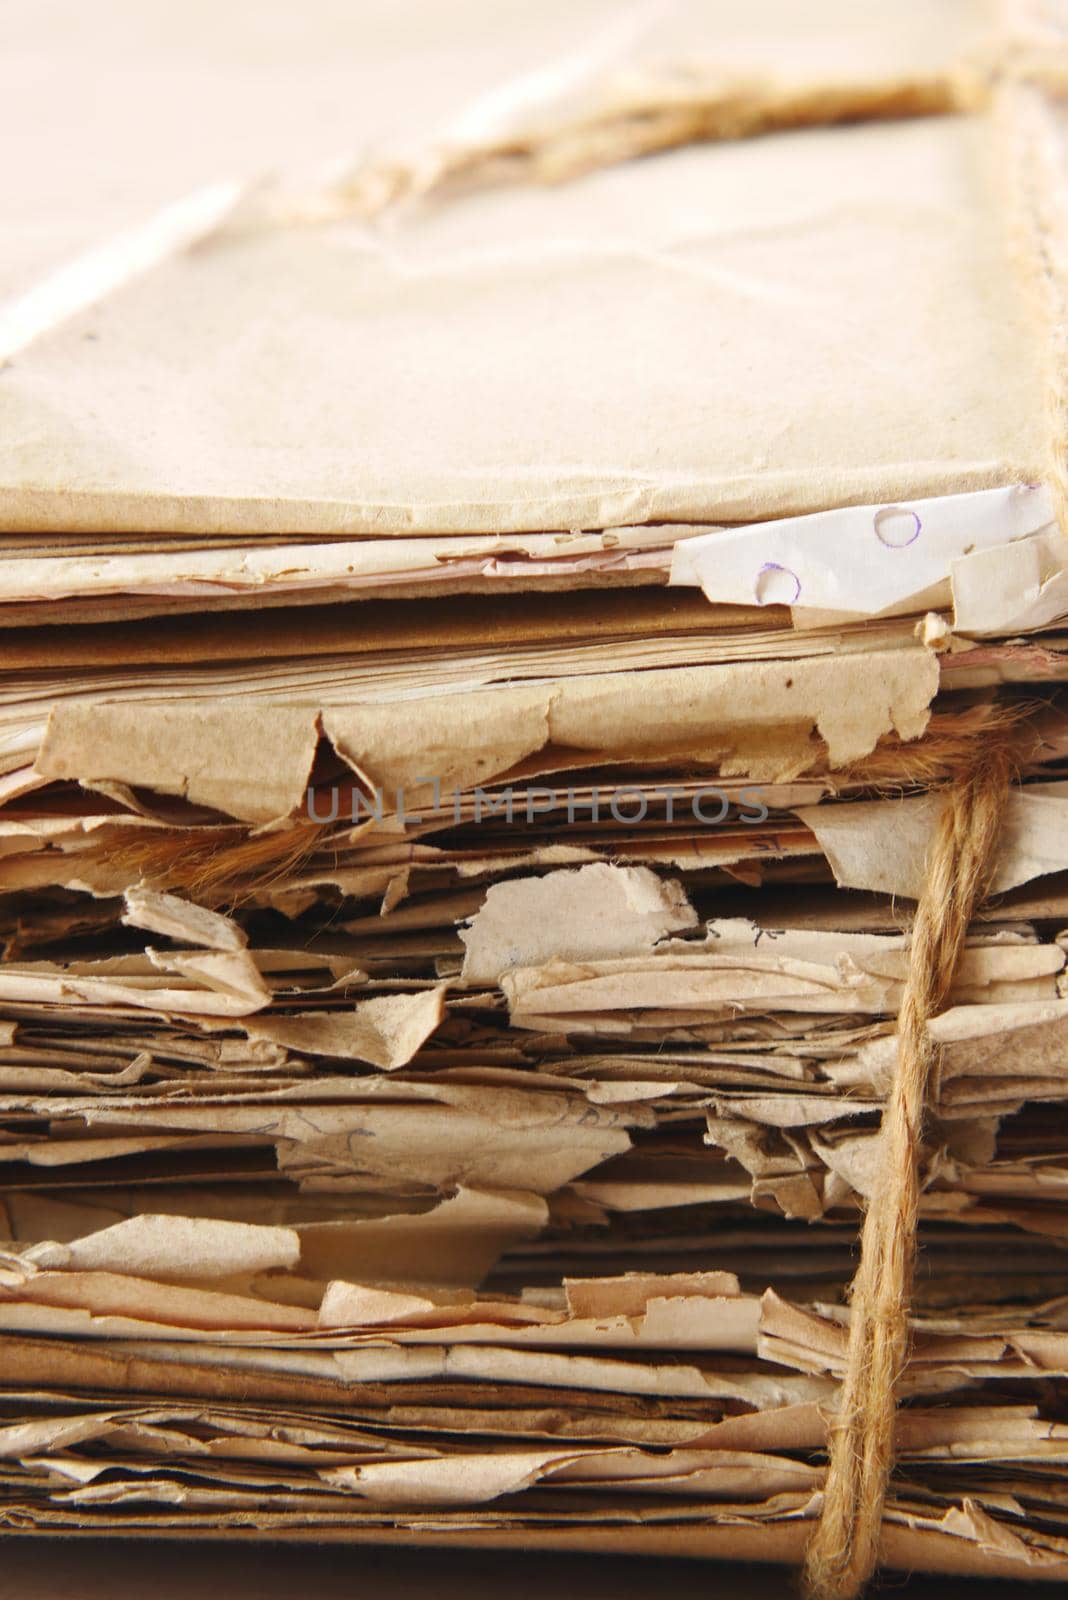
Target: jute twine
<point>844,1549</point>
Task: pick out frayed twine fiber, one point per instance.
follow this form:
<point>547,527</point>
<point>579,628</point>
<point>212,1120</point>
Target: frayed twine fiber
<point>843,1551</point>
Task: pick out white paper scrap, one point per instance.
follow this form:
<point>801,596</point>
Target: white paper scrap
<point>863,561</point>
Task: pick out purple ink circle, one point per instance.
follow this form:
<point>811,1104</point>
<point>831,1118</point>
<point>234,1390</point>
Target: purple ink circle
<point>897,527</point>
<point>773,585</point>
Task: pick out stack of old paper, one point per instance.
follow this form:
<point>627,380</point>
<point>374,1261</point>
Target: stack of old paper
<point>483,632</point>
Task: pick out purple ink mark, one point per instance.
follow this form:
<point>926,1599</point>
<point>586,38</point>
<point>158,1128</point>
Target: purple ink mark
<point>897,527</point>
<point>776,586</point>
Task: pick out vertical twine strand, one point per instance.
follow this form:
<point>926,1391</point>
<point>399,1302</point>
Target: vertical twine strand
<point>844,1549</point>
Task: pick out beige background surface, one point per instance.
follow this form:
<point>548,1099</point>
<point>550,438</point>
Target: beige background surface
<point>111,109</point>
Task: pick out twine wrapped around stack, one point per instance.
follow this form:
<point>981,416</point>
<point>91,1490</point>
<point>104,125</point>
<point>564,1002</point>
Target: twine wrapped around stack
<point>844,1549</point>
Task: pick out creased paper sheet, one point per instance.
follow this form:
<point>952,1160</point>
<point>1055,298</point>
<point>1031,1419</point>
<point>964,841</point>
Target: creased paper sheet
<point>384,1031</point>
<point>375,567</point>
<point>1012,588</point>
<point>446,1249</point>
<point>178,1247</point>
<point>883,844</point>
<point>599,910</point>
<point>752,402</point>
<point>255,764</point>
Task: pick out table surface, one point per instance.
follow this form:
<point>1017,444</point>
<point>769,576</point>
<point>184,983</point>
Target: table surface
<point>39,1569</point>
